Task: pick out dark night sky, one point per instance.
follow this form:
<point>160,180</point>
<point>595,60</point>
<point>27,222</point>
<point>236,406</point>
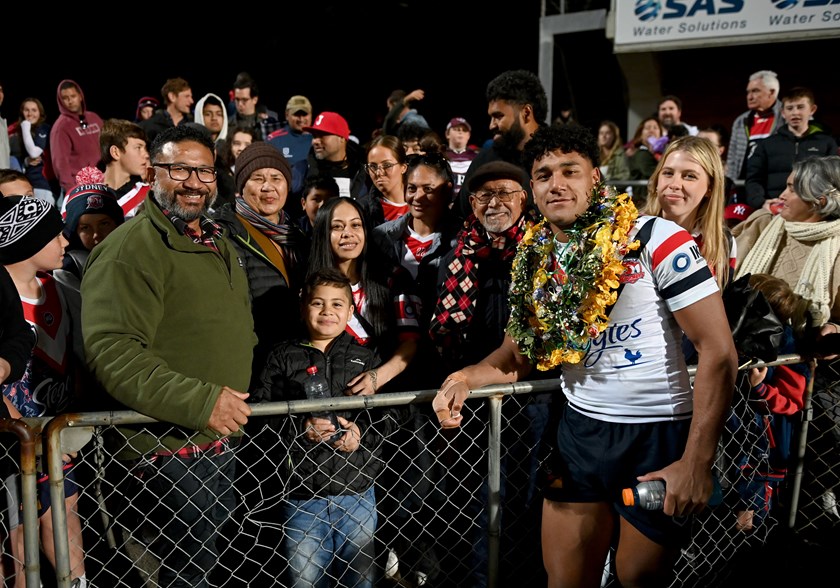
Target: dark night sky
<point>345,56</point>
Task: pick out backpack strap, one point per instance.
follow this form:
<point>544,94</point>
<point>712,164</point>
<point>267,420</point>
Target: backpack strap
<point>643,236</point>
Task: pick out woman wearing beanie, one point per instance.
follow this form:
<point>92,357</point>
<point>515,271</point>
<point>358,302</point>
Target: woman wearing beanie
<point>272,247</point>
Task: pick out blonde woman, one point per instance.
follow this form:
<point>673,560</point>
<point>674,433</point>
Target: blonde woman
<point>688,187</point>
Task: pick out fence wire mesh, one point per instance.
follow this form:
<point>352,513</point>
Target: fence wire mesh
<point>429,525</point>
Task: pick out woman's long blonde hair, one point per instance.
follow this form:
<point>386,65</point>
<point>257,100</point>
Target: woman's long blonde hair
<point>710,220</point>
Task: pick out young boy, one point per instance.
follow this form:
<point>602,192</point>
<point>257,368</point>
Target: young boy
<point>317,189</point>
<point>329,506</point>
<point>31,245</point>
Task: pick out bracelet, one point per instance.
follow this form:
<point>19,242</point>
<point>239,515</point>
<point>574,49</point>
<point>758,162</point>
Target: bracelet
<point>373,376</point>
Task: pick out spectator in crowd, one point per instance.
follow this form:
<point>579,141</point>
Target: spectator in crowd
<point>316,191</point>
<point>32,247</point>
<point>680,423</point>
<point>31,146</point>
<point>611,146</point>
<point>146,107</point>
<point>157,342</point>
<point>74,138</point>
<point>329,507</point>
<point>249,111</point>
<point>124,158</point>
<point>238,139</point>
<point>643,152</point>
<point>210,112</point>
<point>769,165</point>
<point>341,239</point>
<point>270,246</point>
<point>800,246</point>
<point>669,113</point>
<point>517,106</point>
<point>292,141</point>
<point>688,184</point>
<point>401,111</point>
<point>177,108</point>
<point>469,322</point>
<point>416,138</point>
<point>736,213</point>
<point>458,150</point>
<point>775,395</point>
<point>335,154</point>
<point>92,214</point>
<point>386,165</point>
<point>413,247</point>
<point>15,183</point>
<point>762,118</point>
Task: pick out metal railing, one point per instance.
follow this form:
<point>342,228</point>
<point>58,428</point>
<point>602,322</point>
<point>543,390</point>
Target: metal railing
<point>454,506</point>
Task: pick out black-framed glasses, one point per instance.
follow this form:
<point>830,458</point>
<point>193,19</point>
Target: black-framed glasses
<point>485,196</point>
<point>373,168</point>
<point>182,173</point>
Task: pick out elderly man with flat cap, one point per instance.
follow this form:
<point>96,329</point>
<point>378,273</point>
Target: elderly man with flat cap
<point>469,322</point>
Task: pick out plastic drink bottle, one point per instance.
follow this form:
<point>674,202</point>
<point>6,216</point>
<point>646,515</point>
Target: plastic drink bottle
<point>651,495</point>
<point>316,388</point>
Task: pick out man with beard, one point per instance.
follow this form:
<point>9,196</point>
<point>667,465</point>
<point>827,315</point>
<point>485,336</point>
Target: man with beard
<point>517,106</point>
<point>168,332</point>
<point>469,322</point>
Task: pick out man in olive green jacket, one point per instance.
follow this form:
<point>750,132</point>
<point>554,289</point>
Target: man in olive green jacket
<point>168,332</point>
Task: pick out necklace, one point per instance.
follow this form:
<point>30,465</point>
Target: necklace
<point>560,291</point>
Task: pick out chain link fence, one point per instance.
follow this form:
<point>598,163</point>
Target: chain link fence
<point>459,507</point>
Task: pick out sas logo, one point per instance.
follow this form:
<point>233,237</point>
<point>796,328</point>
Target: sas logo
<point>785,4</point>
<point>648,10</point>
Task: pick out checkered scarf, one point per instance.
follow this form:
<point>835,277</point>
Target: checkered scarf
<point>459,291</point>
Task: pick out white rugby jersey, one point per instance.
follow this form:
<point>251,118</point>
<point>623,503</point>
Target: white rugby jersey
<point>635,371</point>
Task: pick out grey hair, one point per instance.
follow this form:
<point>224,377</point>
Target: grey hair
<point>819,177</point>
<point>768,78</point>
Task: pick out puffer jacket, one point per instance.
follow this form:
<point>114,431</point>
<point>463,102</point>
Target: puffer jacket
<point>317,469</point>
<point>770,164</point>
<point>274,302</point>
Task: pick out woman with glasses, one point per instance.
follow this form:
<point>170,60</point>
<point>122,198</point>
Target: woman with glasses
<point>386,166</point>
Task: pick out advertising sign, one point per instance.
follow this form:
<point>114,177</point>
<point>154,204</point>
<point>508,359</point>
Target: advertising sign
<point>692,23</point>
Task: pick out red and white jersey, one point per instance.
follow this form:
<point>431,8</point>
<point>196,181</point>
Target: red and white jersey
<point>414,248</point>
<point>635,371</point>
<point>52,325</point>
<point>130,201</point>
<point>354,325</point>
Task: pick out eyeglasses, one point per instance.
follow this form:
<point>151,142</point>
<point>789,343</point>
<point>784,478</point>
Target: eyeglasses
<point>374,169</point>
<point>182,173</point>
<point>502,196</point>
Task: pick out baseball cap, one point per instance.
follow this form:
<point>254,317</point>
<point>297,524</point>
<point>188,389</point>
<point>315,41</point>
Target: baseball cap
<point>458,120</point>
<point>297,103</point>
<point>737,211</point>
<point>330,123</point>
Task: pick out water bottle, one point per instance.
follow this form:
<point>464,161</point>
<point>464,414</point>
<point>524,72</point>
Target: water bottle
<point>647,495</point>
<point>651,495</point>
<point>316,388</point>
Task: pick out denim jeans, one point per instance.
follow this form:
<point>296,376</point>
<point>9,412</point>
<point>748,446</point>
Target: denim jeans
<point>187,500</point>
<point>329,541</point>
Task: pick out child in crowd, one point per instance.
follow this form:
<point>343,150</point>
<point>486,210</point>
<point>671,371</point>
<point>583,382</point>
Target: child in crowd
<point>32,246</point>
<point>775,396</point>
<point>329,507</point>
<point>317,189</point>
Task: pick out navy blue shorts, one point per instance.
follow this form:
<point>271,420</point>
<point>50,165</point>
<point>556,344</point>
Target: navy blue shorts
<point>597,459</point>
<point>43,488</point>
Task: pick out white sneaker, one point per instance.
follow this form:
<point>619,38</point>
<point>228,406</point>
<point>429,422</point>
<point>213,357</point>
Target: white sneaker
<point>392,565</point>
<point>829,503</point>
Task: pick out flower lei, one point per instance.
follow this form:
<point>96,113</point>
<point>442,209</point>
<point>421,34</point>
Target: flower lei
<point>560,291</point>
